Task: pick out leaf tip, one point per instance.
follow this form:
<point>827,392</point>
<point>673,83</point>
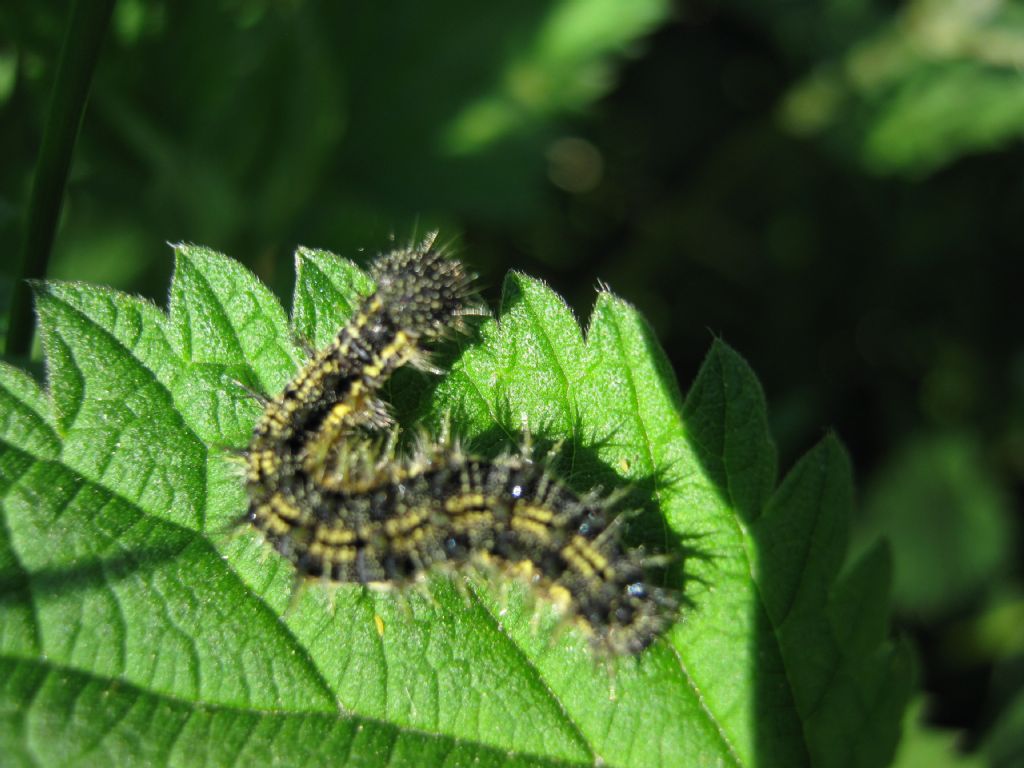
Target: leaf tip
<point>835,451</point>
<point>182,249</point>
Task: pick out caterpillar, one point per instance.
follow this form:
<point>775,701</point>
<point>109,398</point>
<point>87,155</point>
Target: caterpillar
<point>328,496</point>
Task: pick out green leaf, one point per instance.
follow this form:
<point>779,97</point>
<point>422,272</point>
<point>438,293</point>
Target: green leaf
<point>1004,745</point>
<point>926,86</point>
<point>137,629</point>
<point>923,745</point>
<point>938,488</point>
<point>566,65</point>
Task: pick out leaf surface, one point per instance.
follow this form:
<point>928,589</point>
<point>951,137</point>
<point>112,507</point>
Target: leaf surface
<point>137,627</point>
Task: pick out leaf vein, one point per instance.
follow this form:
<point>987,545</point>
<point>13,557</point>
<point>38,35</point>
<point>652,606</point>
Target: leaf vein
<point>539,678</point>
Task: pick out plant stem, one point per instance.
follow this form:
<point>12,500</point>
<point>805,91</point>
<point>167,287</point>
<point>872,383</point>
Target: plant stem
<point>87,25</point>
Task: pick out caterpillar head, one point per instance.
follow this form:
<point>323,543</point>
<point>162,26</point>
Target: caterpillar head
<point>425,292</point>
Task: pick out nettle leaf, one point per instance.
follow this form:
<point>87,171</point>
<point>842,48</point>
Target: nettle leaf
<point>138,627</point>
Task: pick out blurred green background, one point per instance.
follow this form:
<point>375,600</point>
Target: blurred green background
<point>834,187</point>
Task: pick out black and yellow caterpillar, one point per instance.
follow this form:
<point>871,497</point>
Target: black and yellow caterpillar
<point>341,508</point>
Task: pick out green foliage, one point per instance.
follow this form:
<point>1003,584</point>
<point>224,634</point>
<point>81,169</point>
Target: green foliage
<point>1005,744</point>
<point>938,80</point>
<point>937,492</point>
<point>134,630</point>
<point>923,747</point>
<point>306,119</point>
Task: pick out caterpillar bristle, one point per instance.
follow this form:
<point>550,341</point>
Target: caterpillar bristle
<point>232,453</point>
<point>424,361</point>
<point>304,343</point>
<point>251,393</point>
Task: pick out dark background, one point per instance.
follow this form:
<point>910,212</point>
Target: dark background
<point>833,187</point>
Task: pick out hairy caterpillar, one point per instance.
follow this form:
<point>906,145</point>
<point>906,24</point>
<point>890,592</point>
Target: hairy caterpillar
<point>340,508</point>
